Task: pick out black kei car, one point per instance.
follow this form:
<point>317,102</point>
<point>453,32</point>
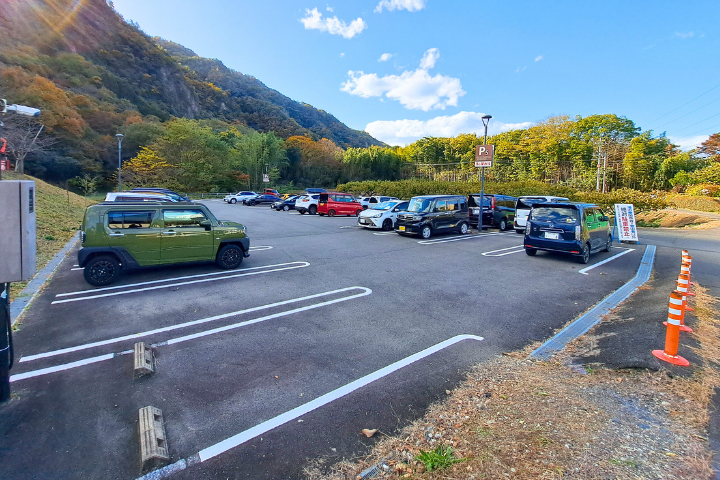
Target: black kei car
<point>285,205</point>
<point>260,199</point>
<point>498,210</point>
<point>430,214</point>
<point>575,228</point>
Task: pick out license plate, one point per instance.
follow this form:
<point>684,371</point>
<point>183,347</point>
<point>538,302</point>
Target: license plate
<point>401,228</point>
<point>552,235</point>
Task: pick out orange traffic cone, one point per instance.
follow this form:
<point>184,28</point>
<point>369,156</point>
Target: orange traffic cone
<point>682,288</point>
<point>685,272</point>
<point>687,265</point>
<point>672,335</point>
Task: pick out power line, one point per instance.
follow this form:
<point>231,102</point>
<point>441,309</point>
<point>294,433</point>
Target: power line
<point>716,127</point>
<point>681,106</point>
<point>701,121</point>
<point>671,121</point>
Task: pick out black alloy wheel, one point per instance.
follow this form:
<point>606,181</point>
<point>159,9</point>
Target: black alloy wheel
<point>286,208</point>
<point>229,257</point>
<point>530,252</point>
<point>312,210</point>
<point>584,254</point>
<point>101,270</point>
<point>608,244</point>
<point>387,224</point>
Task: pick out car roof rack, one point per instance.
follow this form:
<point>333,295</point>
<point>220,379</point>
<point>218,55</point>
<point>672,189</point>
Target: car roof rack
<point>146,202</point>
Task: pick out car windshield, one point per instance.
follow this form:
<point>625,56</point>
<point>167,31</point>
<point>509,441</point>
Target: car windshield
<point>555,214</point>
<point>475,201</point>
<point>384,206</point>
<point>528,202</point>
<point>420,205</point>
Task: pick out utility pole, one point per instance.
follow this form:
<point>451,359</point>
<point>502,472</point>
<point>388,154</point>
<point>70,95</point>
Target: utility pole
<point>597,175</point>
<point>605,155</point>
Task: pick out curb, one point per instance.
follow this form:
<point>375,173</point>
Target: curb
<point>28,294</point>
<point>584,323</point>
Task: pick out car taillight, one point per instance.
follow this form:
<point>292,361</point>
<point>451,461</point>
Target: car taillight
<point>493,203</point>
<point>578,233</point>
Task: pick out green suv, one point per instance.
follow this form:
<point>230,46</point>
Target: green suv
<point>128,235</point>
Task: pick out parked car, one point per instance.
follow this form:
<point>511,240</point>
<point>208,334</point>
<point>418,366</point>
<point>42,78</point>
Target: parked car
<point>430,214</point>
<point>333,203</point>
<point>368,202</point>
<point>285,204</point>
<point>524,204</point>
<point>121,236</point>
<point>261,199</point>
<point>575,228</point>
<point>239,197</point>
<point>382,215</point>
<point>307,204</point>
<point>138,197</point>
<point>310,191</point>
<point>271,191</point>
<point>498,210</point>
<point>175,195</point>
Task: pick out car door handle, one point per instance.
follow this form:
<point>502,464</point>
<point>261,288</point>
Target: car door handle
<point>117,234</point>
<point>171,232</point>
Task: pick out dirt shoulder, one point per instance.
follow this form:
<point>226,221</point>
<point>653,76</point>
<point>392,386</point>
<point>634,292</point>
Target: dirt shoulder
<point>678,219</point>
<point>604,408</point>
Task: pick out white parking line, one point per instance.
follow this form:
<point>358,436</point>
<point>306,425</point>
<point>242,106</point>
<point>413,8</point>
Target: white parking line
<point>157,287</point>
<point>259,248</point>
<point>456,239</point>
<point>352,226</point>
<point>242,437</point>
<point>100,358</point>
<point>585,270</point>
<point>147,333</point>
<point>494,253</point>
<point>384,233</point>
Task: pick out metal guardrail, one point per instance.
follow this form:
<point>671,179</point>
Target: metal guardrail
<point>208,195</point>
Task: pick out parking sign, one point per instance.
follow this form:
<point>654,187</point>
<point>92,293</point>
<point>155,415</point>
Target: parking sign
<point>484,155</point>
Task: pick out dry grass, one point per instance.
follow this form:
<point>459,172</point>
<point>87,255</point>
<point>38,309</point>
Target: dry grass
<point>700,204</point>
<point>671,219</point>
<point>522,419</point>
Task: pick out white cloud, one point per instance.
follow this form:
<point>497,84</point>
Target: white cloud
<point>688,143</point>
<point>415,89</point>
<point>342,54</point>
<point>539,57</point>
<point>329,8</point>
<point>518,70</point>
<point>403,132</point>
<point>684,35</point>
<point>409,5</point>
<point>313,21</point>
<point>385,57</point>
<point>429,59</point>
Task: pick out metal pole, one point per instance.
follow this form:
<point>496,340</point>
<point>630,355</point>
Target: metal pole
<point>486,121</point>
<point>120,139</point>
<point>6,350</point>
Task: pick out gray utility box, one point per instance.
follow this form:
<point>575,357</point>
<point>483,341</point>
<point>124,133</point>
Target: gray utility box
<point>17,230</point>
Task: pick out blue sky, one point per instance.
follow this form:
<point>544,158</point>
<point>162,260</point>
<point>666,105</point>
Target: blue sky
<point>404,69</point>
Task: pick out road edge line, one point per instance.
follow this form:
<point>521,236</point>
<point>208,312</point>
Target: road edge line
<point>588,320</point>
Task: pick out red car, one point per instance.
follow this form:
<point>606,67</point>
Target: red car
<point>333,203</point>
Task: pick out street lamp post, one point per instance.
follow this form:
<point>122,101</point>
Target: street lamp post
<point>120,137</point>
<point>486,121</point>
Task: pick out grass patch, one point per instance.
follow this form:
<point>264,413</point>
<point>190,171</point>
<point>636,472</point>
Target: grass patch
<point>700,204</point>
<point>440,458</point>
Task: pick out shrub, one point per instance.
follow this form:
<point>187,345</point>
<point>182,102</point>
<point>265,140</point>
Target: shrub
<point>704,190</point>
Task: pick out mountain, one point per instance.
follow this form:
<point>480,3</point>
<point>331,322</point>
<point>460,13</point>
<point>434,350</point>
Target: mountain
<point>94,74</point>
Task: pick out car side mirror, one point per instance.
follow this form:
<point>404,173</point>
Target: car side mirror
<point>207,224</point>
<point>604,218</point>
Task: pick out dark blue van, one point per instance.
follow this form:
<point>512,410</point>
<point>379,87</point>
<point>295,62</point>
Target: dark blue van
<point>575,228</point>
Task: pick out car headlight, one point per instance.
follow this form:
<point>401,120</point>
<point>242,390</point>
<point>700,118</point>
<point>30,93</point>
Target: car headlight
<point>417,218</point>
<point>377,215</point>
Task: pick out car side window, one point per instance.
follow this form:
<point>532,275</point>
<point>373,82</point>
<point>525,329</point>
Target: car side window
<point>589,216</point>
<point>441,206</point>
<point>183,218</point>
<point>452,205</point>
<point>122,220</point>
<point>462,204</point>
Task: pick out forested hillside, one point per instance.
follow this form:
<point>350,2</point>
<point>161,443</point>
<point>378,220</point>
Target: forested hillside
<point>94,75</point>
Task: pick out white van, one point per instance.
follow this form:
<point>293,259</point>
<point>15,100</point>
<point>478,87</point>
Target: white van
<point>524,204</point>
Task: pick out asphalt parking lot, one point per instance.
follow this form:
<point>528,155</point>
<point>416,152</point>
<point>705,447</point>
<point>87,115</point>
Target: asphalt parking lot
<point>325,329</point>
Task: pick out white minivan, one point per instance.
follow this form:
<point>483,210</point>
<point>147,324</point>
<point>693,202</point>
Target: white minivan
<point>524,204</point>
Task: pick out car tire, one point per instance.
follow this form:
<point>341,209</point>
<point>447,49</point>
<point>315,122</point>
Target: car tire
<point>233,200</point>
<point>503,224</point>
<point>530,252</point>
<point>463,228</point>
<point>608,244</point>
<point>426,232</point>
<point>302,212</point>
<point>286,208</point>
<point>331,213</point>
<point>584,257</point>
<point>387,224</point>
<point>101,270</point>
<point>312,210</point>
<point>229,257</point>
<point>358,212</point>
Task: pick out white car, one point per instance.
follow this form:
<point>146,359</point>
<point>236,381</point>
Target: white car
<point>307,204</point>
<point>382,215</point>
<point>523,206</point>
<point>239,197</point>
<point>138,197</point>
<point>368,202</point>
